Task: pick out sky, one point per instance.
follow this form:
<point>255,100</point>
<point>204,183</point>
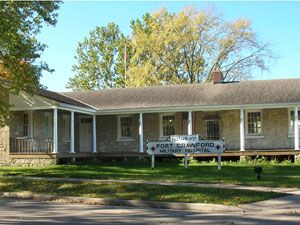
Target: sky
<point>277,22</point>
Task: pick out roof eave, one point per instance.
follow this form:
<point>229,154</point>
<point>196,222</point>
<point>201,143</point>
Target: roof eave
<point>197,108</point>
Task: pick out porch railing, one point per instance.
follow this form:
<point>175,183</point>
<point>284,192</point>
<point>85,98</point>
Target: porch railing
<point>31,145</point>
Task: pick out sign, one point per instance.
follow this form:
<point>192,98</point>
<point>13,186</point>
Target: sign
<point>185,144</point>
<point>184,138</point>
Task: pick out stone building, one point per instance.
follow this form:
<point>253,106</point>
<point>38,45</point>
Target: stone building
<point>253,117</point>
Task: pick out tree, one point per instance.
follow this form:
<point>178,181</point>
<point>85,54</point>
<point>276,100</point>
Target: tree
<point>188,46</point>
<point>170,48</point>
<point>100,60</point>
<point>20,22</point>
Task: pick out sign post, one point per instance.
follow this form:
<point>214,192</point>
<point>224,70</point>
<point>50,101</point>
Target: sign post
<point>185,160</point>
<point>152,161</point>
<point>219,161</point>
<point>185,144</point>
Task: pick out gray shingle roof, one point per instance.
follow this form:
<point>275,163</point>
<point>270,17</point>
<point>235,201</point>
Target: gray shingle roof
<point>189,95</point>
<point>60,98</point>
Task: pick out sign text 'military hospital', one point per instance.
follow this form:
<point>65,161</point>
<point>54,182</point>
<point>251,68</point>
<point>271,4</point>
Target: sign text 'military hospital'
<point>185,144</point>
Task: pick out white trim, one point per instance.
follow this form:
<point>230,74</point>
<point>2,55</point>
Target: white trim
<point>72,147</point>
<point>161,136</point>
<point>242,130</point>
<point>246,123</point>
<point>64,107</point>
<point>77,108</point>
<point>55,131</point>
<point>190,123</point>
<point>94,134</point>
<point>296,128</point>
<point>119,137</point>
<point>141,133</point>
<point>291,130</point>
<point>175,109</point>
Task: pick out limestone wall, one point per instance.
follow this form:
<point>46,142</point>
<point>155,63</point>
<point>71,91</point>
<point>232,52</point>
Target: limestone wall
<point>4,145</point>
<point>275,130</point>
<point>31,160</point>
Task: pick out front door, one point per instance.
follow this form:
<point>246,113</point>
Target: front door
<point>86,134</point>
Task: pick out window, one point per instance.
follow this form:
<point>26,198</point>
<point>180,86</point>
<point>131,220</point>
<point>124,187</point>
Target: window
<point>167,125</point>
<point>254,123</point>
<point>212,129</point>
<point>125,127</point>
<point>292,122</point>
<point>48,125</point>
<point>66,128</point>
<point>25,124</point>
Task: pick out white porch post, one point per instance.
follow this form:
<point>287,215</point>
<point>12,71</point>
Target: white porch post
<point>242,130</point>
<point>190,123</point>
<point>141,133</point>
<point>296,127</point>
<point>94,135</point>
<point>55,133</point>
<point>72,150</point>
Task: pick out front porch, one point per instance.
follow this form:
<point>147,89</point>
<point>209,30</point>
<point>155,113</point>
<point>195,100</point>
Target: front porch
<point>50,131</point>
<point>55,134</point>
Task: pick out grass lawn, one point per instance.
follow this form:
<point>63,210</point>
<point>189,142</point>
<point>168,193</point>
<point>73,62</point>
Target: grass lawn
<point>277,175</point>
<point>136,192</point>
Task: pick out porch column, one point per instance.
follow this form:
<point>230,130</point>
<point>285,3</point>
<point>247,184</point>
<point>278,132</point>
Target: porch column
<point>94,135</point>
<point>190,123</point>
<point>141,133</point>
<point>242,130</point>
<point>72,150</point>
<point>296,129</point>
<point>55,133</point>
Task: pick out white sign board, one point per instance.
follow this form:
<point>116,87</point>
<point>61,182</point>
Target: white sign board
<point>184,138</point>
<point>185,144</point>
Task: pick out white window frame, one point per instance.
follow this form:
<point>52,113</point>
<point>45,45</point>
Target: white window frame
<point>161,115</point>
<point>248,135</point>
<point>291,130</point>
<point>120,138</point>
<point>66,136</point>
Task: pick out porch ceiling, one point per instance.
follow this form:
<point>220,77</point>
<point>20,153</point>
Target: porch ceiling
<point>25,101</point>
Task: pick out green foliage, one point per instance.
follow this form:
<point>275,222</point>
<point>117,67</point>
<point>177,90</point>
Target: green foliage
<point>100,60</point>
<point>172,48</point>
<point>20,22</point>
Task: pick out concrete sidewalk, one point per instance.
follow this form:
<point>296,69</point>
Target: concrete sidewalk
<point>293,191</point>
